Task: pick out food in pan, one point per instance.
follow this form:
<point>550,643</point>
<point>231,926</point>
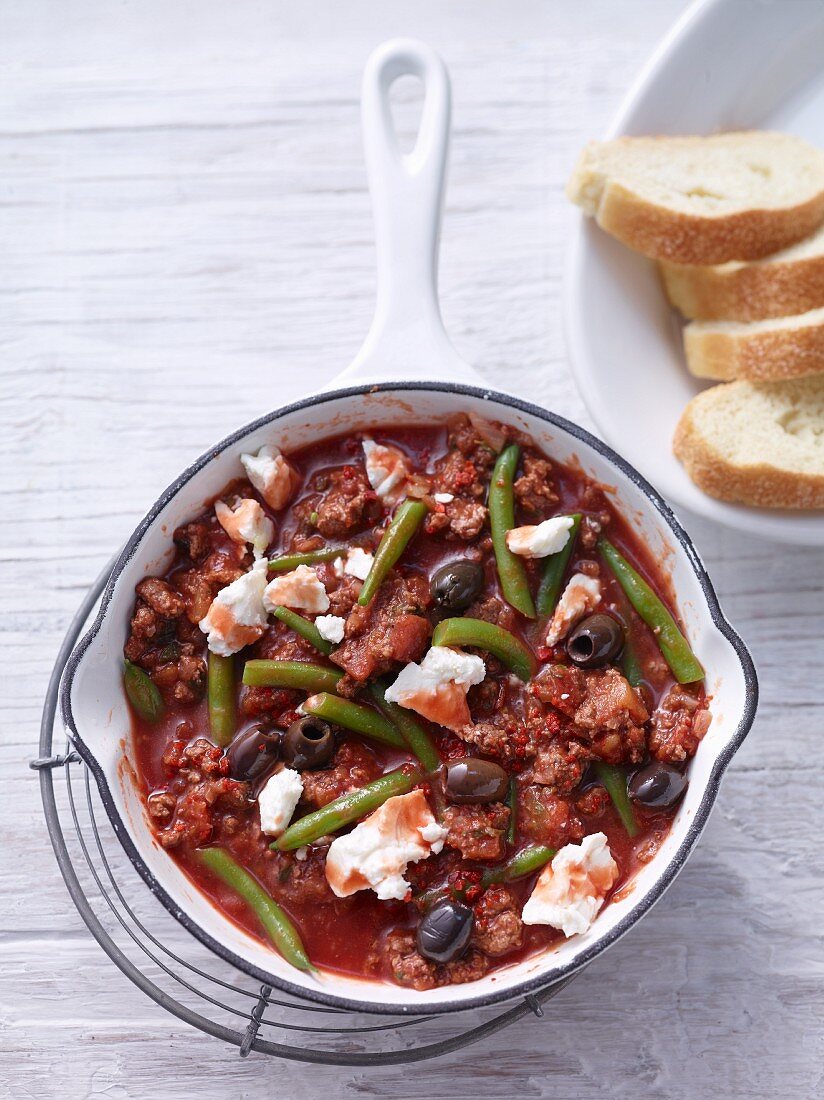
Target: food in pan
<point>411,704</point>
<point>736,222</point>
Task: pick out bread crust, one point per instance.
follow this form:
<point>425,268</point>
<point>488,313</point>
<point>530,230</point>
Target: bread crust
<point>756,356</point>
<point>762,486</point>
<point>666,234</point>
<point>753,292</point>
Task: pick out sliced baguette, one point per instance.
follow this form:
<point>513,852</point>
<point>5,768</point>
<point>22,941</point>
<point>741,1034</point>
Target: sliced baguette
<point>786,283</point>
<point>761,351</point>
<point>759,443</point>
<point>703,200</point>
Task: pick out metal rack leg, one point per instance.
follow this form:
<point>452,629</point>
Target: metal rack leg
<point>250,1034</point>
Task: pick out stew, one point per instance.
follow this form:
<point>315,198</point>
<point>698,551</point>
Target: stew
<point>412,704</point>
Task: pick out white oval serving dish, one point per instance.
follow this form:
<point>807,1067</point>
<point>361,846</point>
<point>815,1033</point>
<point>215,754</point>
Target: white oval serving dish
<point>724,66</point>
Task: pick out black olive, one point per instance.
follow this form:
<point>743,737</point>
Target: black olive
<point>308,743</point>
<point>445,930</point>
<point>658,786</point>
<point>473,780</point>
<point>456,585</point>
<point>595,641</point>
<point>253,755</point>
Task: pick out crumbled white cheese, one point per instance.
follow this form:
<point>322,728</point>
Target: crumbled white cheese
<point>444,498</point>
<point>358,563</point>
<point>376,852</point>
<point>278,799</point>
<point>237,616</point>
<point>434,834</point>
<point>246,522</point>
<point>387,470</point>
<point>301,590</point>
<point>542,540</point>
<point>580,596</point>
<point>302,853</point>
<point>571,890</point>
<point>271,475</point>
<point>437,687</point>
<point>330,627</point>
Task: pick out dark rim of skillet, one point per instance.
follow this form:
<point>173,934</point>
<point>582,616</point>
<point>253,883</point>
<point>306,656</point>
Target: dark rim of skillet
<point>541,979</point>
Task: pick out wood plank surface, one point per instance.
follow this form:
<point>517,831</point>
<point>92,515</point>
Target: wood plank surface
<point>185,242</point>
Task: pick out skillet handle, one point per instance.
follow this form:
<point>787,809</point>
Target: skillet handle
<point>407,338</point>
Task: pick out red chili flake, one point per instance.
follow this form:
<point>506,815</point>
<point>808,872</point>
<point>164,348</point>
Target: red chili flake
<point>223,765</point>
<point>287,718</point>
<point>349,472</point>
<point>452,748</point>
<point>544,652</point>
<point>466,882</point>
<point>552,724</point>
<point>466,475</point>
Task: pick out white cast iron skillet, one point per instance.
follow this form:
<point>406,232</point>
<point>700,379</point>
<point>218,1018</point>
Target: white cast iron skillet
<point>407,341</point>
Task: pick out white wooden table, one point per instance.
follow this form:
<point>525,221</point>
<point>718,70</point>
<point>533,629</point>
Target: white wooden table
<point>185,241</point>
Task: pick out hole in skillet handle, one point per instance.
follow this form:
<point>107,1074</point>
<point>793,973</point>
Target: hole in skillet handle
<point>406,96</point>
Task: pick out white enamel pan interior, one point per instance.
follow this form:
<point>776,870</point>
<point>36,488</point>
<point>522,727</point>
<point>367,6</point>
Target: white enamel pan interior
<point>407,341</point>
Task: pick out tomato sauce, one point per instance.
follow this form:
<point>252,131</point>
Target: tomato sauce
<point>345,934</point>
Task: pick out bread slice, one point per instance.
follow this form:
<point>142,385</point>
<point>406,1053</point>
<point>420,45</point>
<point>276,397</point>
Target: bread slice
<point>703,200</point>
<point>762,351</point>
<point>785,283</point>
<point>758,443</point>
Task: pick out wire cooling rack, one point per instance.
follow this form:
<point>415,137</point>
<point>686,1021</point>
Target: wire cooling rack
<point>189,981</point>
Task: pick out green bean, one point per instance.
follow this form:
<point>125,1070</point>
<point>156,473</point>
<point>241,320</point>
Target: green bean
<point>304,627</point>
<point>554,568</point>
<point>631,662</point>
<point>525,862</point>
<point>143,693</point>
<point>614,780</point>
<point>512,802</point>
<point>483,635</point>
<point>352,716</point>
<point>405,522</point>
<point>417,739</point>
<point>277,925</point>
<point>672,643</point>
<point>522,863</point>
<point>511,570</point>
<point>426,898</point>
<point>287,562</point>
<point>222,699</point>
<point>291,674</point>
<point>344,810</point>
